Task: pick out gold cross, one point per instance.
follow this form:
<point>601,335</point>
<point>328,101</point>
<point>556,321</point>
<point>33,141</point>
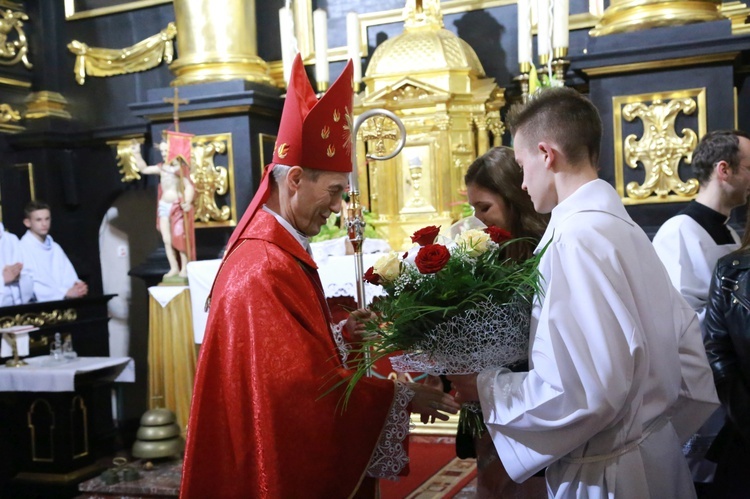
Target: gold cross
<point>176,101</point>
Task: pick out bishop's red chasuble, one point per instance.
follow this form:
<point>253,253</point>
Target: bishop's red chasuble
<point>260,424</point>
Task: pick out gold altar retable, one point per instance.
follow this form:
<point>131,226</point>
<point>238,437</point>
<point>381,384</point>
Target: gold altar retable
<point>434,82</point>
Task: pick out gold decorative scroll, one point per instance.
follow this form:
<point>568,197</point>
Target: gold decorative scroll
<point>126,160</point>
<point>8,114</point>
<point>144,55</point>
<point>39,319</point>
<point>210,180</point>
<point>13,51</point>
<point>660,149</point>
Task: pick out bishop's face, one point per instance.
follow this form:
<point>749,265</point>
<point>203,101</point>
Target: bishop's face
<point>315,200</point>
<point>538,177</point>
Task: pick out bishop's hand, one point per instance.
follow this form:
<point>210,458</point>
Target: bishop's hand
<point>432,402</point>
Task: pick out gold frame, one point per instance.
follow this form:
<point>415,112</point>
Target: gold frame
<point>699,94</point>
<point>30,168</point>
<point>304,24</point>
<point>71,14</point>
<point>85,413</point>
<point>32,431</point>
<point>226,136</point>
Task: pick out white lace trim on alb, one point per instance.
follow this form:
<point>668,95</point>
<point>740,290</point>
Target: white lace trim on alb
<point>390,456</point>
<point>341,345</point>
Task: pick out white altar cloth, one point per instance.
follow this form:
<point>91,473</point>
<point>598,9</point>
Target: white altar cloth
<point>338,278</point>
<point>46,375</point>
<point>165,294</point>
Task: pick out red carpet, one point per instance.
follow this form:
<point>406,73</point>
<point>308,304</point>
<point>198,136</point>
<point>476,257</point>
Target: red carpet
<point>435,471</point>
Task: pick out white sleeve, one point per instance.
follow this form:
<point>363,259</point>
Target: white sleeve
<point>69,275</point>
<point>679,249</point>
<point>582,366</point>
<point>697,397</point>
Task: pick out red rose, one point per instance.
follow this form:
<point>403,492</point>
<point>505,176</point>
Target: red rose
<point>371,277</point>
<point>425,236</point>
<point>432,258</point>
<point>497,234</point>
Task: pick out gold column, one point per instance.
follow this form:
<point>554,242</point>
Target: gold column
<point>217,41</point>
<point>634,15</point>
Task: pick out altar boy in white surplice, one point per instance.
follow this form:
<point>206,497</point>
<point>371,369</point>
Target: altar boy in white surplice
<point>618,376</point>
<point>17,284</point>
<point>53,274</point>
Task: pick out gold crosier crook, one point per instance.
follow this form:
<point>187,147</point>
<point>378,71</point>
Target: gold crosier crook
<point>355,222</point>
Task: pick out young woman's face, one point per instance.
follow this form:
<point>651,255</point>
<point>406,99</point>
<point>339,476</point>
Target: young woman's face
<point>489,207</point>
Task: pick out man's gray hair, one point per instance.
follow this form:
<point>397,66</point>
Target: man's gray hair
<point>280,172</point>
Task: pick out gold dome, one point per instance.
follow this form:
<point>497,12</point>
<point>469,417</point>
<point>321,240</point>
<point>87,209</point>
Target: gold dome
<point>425,49</point>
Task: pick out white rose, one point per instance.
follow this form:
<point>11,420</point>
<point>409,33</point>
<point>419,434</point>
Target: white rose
<point>473,242</point>
<point>388,267</point>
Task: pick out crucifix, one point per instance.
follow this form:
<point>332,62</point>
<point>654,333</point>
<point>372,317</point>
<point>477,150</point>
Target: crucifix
<point>176,101</point>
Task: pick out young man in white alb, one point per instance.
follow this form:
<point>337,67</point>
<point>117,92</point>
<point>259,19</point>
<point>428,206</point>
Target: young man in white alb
<point>618,374</point>
<point>53,274</point>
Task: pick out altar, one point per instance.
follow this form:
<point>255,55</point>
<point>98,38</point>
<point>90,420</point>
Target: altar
<point>56,418</point>
<point>335,268</point>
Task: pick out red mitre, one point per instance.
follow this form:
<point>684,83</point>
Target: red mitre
<point>178,146</point>
<point>316,133</point>
<point>312,134</point>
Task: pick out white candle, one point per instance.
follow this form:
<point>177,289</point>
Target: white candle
<point>320,25</point>
<point>543,27</point>
<point>524,31</point>
<point>286,30</point>
<point>560,31</point>
<point>352,44</point>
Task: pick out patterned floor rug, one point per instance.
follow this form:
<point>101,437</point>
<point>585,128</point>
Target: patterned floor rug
<point>436,472</point>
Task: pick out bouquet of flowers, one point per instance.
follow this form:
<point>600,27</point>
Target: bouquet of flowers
<point>452,308</point>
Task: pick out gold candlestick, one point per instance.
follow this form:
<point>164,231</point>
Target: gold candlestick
<point>523,80</point>
<point>560,63</point>
<point>15,361</point>
<point>560,66</point>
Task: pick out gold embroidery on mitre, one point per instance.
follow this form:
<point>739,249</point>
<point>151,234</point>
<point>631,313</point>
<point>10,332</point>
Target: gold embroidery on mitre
<point>347,129</point>
<point>325,132</point>
<point>336,115</point>
<point>330,151</point>
<point>283,150</point>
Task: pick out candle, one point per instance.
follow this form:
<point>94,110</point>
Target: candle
<point>560,24</point>
<point>352,44</point>
<point>286,30</point>
<point>524,32</point>
<point>320,25</point>
<point>543,28</point>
